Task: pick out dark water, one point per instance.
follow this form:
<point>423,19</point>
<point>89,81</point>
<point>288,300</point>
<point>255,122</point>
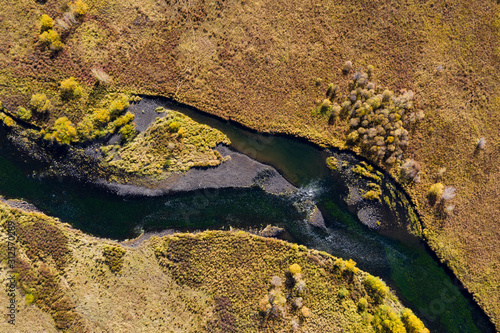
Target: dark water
<point>399,258</point>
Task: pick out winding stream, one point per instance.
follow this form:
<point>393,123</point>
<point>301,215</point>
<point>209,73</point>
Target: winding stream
<point>401,259</point>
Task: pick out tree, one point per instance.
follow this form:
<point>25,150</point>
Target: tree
<point>70,88</point>
<point>63,131</point>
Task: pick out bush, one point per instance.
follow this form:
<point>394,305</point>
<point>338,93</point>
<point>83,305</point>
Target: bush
<point>362,304</point>
<point>40,103</point>
<point>113,257</point>
<point>46,22</point>
<point>23,114</point>
<point>70,88</point>
<point>386,320</point>
<point>128,132</point>
<point>343,292</point>
<point>63,131</point>
<point>119,105</point>
<point>436,191</point>
<point>295,269</point>
<point>376,287</point>
<point>101,76</point>
<point>52,39</point>
<point>412,323</point>
<point>101,116</point>
<point>174,126</point>
<point>78,8</point>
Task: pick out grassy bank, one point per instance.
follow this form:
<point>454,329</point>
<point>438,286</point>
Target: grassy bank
<point>213,281</point>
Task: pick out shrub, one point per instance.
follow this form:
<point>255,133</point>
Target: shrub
<point>8,121</point>
<point>117,106</point>
<point>174,126</point>
<point>386,320</point>
<point>46,22</point>
<point>410,170</point>
<point>412,323</point>
<point>343,292</point>
<point>101,76</point>
<point>78,8</point>
<point>102,116</point>
<point>295,269</point>
<point>481,143</point>
<point>276,281</point>
<point>436,190</point>
<point>305,312</point>
<point>70,88</point>
<point>113,257</point>
<point>362,304</point>
<point>376,287</point>
<point>52,39</point>
<point>123,120</point>
<point>63,131</point>
<point>448,193</point>
<point>23,114</point>
<point>40,103</point>
<point>128,132</point>
<point>347,67</point>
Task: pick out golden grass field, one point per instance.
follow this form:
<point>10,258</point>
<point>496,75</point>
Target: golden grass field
<point>266,63</point>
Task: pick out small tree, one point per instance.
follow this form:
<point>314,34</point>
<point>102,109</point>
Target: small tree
<point>23,114</point>
<point>52,39</point>
<point>78,8</point>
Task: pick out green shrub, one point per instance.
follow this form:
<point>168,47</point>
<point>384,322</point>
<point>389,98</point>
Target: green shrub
<point>70,88</point>
<point>119,105</point>
<point>40,103</point>
<point>23,114</point>
<point>113,257</point>
<point>362,304</point>
<point>343,292</point>
<point>128,132</point>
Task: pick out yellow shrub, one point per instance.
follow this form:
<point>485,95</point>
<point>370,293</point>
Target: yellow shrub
<point>46,22</point>
<point>101,116</point>
<point>63,131</point>
<point>376,287</point>
<point>436,190</point>
<point>23,114</point>
<point>123,120</point>
<point>70,88</point>
<point>117,106</point>
<point>8,121</point>
<point>412,323</point>
<point>78,8</point>
<point>40,103</point>
<point>52,39</point>
<point>295,269</point>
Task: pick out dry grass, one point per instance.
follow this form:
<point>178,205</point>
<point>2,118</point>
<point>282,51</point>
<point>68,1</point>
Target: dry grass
<point>257,62</point>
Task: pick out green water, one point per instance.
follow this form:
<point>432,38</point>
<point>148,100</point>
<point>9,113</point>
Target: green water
<point>403,262</point>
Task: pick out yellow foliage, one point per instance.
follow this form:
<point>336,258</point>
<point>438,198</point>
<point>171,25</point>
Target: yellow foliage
<point>51,38</point>
<point>101,116</point>
<point>305,312</point>
<point>40,103</point>
<point>8,121</point>
<point>78,8</point>
<point>386,320</point>
<point>412,323</point>
<point>117,106</point>
<point>46,22</point>
<point>70,88</point>
<point>63,131</point>
<point>377,287</point>
<point>295,269</point>
<point>350,265</point>
<point>436,190</point>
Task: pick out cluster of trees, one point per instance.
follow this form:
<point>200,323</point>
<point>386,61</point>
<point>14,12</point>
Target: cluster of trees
<point>377,117</point>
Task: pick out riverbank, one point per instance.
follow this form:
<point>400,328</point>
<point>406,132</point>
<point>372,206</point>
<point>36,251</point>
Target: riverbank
<point>190,282</point>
